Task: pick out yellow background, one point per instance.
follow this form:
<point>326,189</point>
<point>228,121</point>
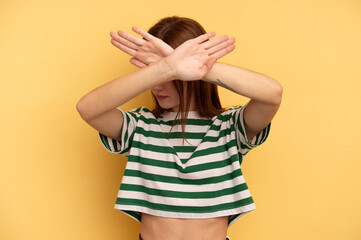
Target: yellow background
<point>58,182</point>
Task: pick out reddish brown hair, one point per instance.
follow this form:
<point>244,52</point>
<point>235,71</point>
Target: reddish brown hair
<point>174,31</point>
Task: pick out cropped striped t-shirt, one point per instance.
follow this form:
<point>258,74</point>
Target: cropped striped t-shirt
<point>197,178</point>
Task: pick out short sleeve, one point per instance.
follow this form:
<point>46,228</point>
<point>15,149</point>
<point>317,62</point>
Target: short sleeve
<point>244,146</point>
<point>130,119</point>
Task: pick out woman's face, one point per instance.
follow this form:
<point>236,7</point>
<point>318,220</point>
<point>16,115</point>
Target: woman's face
<point>167,96</point>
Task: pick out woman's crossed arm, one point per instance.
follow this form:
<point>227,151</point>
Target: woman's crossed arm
<point>192,60</point>
<point>265,93</point>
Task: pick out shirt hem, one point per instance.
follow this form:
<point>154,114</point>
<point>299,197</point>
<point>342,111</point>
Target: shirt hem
<point>237,211</point>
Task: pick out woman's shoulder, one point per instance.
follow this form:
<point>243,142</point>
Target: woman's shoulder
<point>229,110</point>
<point>138,112</point>
<point>233,108</point>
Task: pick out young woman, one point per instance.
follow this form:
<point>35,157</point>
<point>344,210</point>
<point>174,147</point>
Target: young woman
<point>183,178</point>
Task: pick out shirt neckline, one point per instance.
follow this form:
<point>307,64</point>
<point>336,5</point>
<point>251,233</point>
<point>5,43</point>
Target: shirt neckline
<point>173,114</point>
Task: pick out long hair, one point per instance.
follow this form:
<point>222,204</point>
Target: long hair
<point>174,31</point>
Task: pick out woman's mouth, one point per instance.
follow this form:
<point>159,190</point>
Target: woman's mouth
<point>161,97</point>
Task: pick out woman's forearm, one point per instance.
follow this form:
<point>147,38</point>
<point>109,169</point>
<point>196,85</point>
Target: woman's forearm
<point>245,82</point>
<point>119,91</point>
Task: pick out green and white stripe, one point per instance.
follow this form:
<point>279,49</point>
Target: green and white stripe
<point>197,178</point>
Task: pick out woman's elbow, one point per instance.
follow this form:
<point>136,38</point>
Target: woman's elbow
<point>82,109</point>
<point>277,94</point>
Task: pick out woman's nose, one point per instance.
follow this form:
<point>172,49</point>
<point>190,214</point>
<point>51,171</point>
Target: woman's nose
<point>158,87</point>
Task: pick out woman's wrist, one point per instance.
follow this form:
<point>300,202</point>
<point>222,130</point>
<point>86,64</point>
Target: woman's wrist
<point>212,74</point>
<point>165,68</point>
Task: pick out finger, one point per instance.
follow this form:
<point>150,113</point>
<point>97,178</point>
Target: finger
<point>123,41</point>
<point>143,33</point>
<point>214,42</point>
<point>124,48</point>
<point>121,38</point>
<point>221,46</point>
<point>223,52</point>
<point>204,37</point>
<point>135,40</point>
<point>137,63</point>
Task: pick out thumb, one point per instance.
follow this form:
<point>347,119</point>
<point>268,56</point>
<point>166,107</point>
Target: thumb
<point>209,64</point>
<point>137,63</point>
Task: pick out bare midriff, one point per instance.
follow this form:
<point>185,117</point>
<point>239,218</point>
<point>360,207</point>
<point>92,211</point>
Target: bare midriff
<point>162,228</point>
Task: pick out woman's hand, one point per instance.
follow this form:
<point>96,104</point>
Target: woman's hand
<point>143,51</point>
<point>151,49</point>
<point>195,57</point>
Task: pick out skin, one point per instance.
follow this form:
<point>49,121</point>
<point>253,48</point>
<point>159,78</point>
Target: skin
<point>161,228</point>
<point>171,103</point>
<point>168,90</point>
<point>193,60</point>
